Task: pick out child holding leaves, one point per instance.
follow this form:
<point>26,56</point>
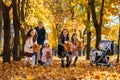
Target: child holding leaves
<point>47,54</point>
<point>31,38</point>
<point>76,45</point>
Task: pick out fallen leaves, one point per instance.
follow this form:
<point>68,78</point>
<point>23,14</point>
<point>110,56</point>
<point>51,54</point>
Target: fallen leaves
<point>83,71</point>
<point>68,46</point>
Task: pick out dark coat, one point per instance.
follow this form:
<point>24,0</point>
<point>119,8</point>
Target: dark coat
<point>61,50</point>
<point>41,35</point>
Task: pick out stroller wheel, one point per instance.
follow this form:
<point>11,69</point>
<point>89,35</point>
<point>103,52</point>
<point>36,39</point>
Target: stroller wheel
<point>110,64</point>
<point>97,64</point>
<point>91,64</point>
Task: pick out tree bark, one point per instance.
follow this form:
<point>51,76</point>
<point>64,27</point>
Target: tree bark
<point>22,17</point>
<point>97,26</point>
<point>19,10</point>
<point>16,25</point>
<point>22,11</point>
<point>118,42</point>
<point>7,36</point>
<point>23,41</point>
<point>98,35</point>
<point>88,45</point>
<point>88,33</point>
<point>0,26</point>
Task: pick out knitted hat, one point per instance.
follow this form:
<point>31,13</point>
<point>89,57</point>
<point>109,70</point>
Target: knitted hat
<point>46,42</point>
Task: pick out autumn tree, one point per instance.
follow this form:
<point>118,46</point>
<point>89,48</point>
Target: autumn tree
<point>22,15</point>
<point>71,9</point>
<point>88,32</point>
<point>0,24</point>
<point>16,25</point>
<point>7,36</point>
<point>97,25</point>
<point>118,41</point>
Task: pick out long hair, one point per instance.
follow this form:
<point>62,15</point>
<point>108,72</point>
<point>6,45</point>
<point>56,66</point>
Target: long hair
<point>72,40</point>
<point>62,36</point>
<point>28,35</point>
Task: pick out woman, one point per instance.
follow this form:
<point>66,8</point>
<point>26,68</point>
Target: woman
<point>61,50</point>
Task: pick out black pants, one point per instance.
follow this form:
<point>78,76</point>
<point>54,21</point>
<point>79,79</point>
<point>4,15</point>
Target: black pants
<point>36,57</point>
<point>67,61</point>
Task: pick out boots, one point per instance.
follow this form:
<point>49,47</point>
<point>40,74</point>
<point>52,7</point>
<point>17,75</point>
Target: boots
<point>74,64</point>
<point>62,63</point>
<point>68,62</point>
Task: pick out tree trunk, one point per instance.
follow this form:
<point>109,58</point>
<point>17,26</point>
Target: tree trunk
<point>118,42</point>
<point>0,26</point>
<point>88,33</point>
<point>98,35</point>
<point>88,45</point>
<point>84,50</point>
<point>22,11</point>
<point>16,25</point>
<point>23,42</point>
<point>22,17</point>
<point>18,7</point>
<point>97,25</point>
<point>7,36</point>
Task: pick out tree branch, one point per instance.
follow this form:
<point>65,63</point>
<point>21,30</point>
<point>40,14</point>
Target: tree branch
<point>11,5</point>
<point>71,9</point>
<point>101,13</point>
<point>2,4</point>
<point>95,21</point>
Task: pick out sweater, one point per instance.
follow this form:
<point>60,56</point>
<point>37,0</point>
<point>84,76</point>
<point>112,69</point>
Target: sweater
<point>41,35</point>
<point>28,45</point>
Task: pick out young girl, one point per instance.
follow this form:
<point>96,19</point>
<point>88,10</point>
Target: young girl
<point>31,38</point>
<point>74,41</point>
<point>61,50</point>
<point>47,54</point>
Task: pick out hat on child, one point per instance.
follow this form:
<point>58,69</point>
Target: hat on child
<point>46,42</point>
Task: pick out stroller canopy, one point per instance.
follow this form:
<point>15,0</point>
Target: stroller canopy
<point>107,45</point>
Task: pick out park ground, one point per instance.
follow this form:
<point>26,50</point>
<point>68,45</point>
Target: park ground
<point>83,71</point>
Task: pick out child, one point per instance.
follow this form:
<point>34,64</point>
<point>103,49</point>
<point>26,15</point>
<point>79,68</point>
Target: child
<point>47,54</point>
<point>61,50</point>
<point>31,38</point>
<point>74,41</point>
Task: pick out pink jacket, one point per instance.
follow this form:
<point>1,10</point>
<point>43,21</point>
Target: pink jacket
<point>44,58</point>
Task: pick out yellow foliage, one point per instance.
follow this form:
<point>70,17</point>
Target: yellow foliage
<point>7,2</point>
<point>53,12</point>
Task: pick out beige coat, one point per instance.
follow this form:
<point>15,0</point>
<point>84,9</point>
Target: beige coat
<point>28,44</point>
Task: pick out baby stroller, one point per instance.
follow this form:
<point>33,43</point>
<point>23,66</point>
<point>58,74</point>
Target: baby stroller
<point>101,55</point>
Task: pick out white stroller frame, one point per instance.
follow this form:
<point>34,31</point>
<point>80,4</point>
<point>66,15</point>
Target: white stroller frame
<point>103,54</point>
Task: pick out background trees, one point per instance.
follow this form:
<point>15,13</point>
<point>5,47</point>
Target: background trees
<point>7,36</point>
<point>0,25</point>
<point>79,16</point>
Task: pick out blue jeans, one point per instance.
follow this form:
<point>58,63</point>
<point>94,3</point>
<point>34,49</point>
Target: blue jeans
<point>36,60</point>
<point>28,59</point>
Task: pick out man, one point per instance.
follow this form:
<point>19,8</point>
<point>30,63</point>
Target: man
<point>41,36</point>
